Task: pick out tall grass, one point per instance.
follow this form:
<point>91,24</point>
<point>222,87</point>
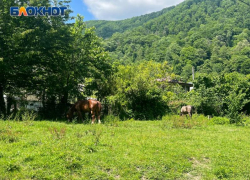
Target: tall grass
<point>175,121</point>
<point>172,148</point>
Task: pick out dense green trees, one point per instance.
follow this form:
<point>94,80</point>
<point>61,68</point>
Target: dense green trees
<point>27,45</point>
<point>225,94</point>
<point>106,29</point>
<point>45,56</point>
<point>212,36</point>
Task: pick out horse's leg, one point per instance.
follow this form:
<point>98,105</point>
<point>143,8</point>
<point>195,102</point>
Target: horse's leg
<point>93,117</point>
<point>99,117</point>
<point>80,115</point>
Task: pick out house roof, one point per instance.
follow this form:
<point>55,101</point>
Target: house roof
<point>175,81</point>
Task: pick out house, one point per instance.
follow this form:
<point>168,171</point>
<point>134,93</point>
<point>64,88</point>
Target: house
<point>33,103</point>
<point>30,102</point>
<point>188,86</point>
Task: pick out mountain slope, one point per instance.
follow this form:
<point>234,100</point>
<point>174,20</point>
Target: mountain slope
<point>106,29</point>
<point>211,35</point>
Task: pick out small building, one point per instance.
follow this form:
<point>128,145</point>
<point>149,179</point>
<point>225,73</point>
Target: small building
<point>188,86</point>
<point>33,103</point>
<point>30,102</point>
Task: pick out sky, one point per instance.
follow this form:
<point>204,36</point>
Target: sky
<point>118,9</point>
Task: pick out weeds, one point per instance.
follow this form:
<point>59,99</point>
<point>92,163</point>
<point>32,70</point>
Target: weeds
<point>28,117</point>
<point>8,136</point>
<point>58,133</point>
<point>73,163</point>
<point>91,149</point>
<point>97,136</point>
<point>10,117</point>
<point>185,122</point>
<point>12,167</point>
<point>25,115</point>
<point>111,120</point>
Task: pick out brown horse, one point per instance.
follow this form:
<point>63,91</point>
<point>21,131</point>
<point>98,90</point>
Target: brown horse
<point>92,106</point>
<point>187,110</point>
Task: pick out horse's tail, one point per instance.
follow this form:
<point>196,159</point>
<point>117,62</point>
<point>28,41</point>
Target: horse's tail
<point>98,107</point>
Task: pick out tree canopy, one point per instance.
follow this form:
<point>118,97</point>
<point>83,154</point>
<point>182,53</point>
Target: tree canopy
<point>47,57</point>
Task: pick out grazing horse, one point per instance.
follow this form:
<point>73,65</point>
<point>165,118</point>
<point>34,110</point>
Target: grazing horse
<point>187,110</point>
<point>92,106</point>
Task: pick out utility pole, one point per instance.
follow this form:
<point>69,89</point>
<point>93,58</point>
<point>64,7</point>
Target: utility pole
<point>193,75</point>
<point>193,72</point>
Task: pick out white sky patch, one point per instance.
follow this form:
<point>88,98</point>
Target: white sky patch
<point>123,9</point>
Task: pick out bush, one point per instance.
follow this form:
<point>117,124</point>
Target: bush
<point>111,120</point>
<point>222,95</point>
<point>235,103</point>
<point>220,120</point>
<point>175,106</point>
<point>245,120</point>
<point>138,93</point>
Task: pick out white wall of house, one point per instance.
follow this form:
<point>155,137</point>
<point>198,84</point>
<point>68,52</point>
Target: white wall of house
<point>34,105</point>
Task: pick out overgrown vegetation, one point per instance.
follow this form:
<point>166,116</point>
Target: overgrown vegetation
<point>129,72</point>
<point>223,95</point>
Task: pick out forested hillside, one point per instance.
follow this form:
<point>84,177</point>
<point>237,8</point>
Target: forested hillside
<point>106,29</point>
<point>211,35</point>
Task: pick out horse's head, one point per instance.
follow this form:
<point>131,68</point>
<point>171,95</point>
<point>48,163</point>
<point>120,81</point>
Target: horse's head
<point>69,115</point>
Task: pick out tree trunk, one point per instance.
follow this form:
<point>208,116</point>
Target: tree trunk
<point>2,102</point>
<point>63,104</point>
<point>9,104</point>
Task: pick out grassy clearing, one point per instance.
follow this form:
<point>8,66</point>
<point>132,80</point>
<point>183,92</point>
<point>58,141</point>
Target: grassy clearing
<point>174,148</point>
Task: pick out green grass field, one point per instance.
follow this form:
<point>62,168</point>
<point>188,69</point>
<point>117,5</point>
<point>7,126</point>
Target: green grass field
<point>168,149</point>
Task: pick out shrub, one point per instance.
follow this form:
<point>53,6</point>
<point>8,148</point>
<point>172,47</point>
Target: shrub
<point>111,120</point>
<point>29,116</point>
<point>221,95</point>
<point>235,103</point>
<point>220,120</point>
<point>139,92</point>
<point>245,120</point>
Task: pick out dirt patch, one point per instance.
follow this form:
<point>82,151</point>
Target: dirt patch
<point>197,167</point>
